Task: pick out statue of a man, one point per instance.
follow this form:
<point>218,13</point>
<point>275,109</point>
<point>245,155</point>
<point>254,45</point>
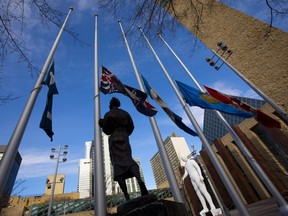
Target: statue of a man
<point>197,180</point>
<point>119,125</point>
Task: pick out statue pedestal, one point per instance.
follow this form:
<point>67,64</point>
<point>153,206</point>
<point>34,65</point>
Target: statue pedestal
<point>149,205</point>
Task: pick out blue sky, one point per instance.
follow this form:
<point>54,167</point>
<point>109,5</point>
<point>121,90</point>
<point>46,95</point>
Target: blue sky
<point>73,110</point>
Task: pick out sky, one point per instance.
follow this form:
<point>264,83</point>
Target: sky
<point>73,108</point>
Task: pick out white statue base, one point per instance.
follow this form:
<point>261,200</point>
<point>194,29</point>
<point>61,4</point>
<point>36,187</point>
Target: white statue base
<point>214,212</point>
<point>217,211</point>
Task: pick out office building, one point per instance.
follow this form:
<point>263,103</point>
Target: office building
<point>175,147</point>
<point>85,177</point>
<point>12,176</point>
<point>132,184</point>
<point>213,127</point>
<point>85,173</point>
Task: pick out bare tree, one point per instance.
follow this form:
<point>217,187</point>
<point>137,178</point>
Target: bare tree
<point>277,8</point>
<point>12,25</point>
<point>154,15</point>
<point>15,191</point>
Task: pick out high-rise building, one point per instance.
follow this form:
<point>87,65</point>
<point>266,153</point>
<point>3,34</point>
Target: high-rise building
<point>12,176</point>
<point>132,185</point>
<point>175,147</point>
<point>213,127</point>
<point>112,187</point>
<point>59,184</point>
<point>86,172</point>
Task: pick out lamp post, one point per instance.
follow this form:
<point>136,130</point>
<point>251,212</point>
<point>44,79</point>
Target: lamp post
<point>64,159</point>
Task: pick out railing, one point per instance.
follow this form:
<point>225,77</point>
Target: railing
<point>87,204</point>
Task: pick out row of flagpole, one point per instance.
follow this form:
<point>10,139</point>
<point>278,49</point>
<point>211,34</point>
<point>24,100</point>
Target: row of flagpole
<point>99,193</point>
<point>257,168</point>
<point>14,142</point>
<point>227,182</point>
<point>236,198</point>
<point>163,154</point>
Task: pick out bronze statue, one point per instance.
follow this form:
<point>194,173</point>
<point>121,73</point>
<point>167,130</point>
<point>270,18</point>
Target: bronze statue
<point>119,125</point>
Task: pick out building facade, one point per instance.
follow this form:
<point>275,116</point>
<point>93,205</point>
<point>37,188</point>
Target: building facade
<point>132,184</point>
<point>85,173</point>
<point>213,127</point>
<point>175,147</point>
<point>12,176</point>
<point>59,184</point>
<point>85,178</point>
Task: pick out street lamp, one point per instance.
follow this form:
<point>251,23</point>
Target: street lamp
<point>64,159</point>
<point>221,48</point>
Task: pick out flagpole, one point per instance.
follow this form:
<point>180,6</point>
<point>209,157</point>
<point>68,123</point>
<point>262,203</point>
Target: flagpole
<point>257,168</point>
<point>258,91</point>
<point>14,143</point>
<point>162,151</point>
<point>227,182</point>
<point>99,185</point>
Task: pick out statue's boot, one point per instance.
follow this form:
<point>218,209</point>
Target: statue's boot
<point>143,189</point>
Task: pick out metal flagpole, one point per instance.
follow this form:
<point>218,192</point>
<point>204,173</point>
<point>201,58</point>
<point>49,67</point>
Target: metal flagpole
<point>99,193</point>
<point>14,143</point>
<point>162,151</point>
<point>227,182</point>
<point>258,91</point>
<point>257,168</point>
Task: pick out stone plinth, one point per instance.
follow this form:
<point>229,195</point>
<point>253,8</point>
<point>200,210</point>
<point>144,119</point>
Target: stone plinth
<point>149,205</point>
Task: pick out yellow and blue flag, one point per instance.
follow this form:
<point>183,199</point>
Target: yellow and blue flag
<point>195,97</point>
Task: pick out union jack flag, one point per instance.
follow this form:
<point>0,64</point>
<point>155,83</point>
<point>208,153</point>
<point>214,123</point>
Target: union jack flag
<point>111,84</point>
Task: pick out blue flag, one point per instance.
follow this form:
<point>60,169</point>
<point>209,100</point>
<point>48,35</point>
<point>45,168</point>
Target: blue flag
<point>175,118</point>
<point>196,98</point>
<point>111,84</point>
<point>46,121</point>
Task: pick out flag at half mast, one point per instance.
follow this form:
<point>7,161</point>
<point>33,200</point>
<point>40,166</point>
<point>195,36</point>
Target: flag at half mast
<point>260,116</point>
<point>195,97</point>
<point>175,118</point>
<point>111,84</point>
<point>46,120</point>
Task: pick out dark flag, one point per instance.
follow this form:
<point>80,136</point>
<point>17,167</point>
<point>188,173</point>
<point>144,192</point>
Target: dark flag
<point>46,121</point>
<point>175,118</point>
<point>196,98</point>
<point>260,116</point>
<point>111,84</point>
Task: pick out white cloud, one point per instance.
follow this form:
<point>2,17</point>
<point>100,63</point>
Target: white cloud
<point>198,114</point>
<point>226,88</point>
<point>36,163</point>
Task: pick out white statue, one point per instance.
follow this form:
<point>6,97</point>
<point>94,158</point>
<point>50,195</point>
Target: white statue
<point>197,180</point>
